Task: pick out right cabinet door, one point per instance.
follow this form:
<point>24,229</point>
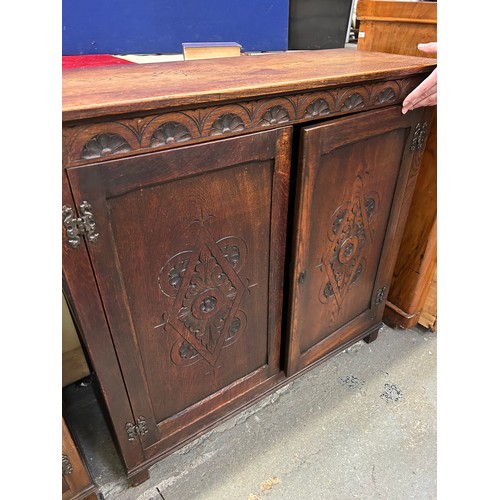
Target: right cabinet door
<point>354,184</point>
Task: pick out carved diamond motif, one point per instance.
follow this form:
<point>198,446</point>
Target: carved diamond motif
<point>349,234</point>
<point>205,309</point>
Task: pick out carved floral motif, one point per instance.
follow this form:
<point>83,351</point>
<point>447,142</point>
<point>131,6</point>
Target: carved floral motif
<point>104,145</point>
<point>170,132</point>
<point>227,123</point>
<point>419,137</point>
<point>354,101</point>
<point>319,107</point>
<point>275,115</point>
<point>385,96</point>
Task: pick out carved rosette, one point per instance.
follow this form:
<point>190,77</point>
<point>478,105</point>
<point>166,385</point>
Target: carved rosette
<point>386,96</point>
<point>226,124</point>
<point>319,107</point>
<point>349,234</point>
<point>353,102</point>
<point>104,145</point>
<point>205,291</point>
<point>170,132</point>
<point>274,115</point>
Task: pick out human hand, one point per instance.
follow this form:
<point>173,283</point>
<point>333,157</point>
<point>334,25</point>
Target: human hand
<point>426,93</point>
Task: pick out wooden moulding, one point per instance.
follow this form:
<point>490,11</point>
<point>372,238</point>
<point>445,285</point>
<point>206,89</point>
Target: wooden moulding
<point>406,12</point>
<point>129,136</point>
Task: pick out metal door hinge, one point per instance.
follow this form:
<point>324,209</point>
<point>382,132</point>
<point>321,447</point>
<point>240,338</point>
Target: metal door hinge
<point>419,137</point>
<point>67,468</point>
<point>379,298</point>
<point>78,226</point>
<point>138,429</point>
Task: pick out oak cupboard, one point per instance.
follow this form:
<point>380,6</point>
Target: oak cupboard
<point>229,223</point>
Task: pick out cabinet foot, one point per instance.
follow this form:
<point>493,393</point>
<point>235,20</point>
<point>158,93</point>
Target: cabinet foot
<point>371,337</point>
<point>137,478</point>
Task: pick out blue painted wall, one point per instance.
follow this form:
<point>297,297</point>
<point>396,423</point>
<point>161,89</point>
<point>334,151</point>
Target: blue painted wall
<point>160,26</point>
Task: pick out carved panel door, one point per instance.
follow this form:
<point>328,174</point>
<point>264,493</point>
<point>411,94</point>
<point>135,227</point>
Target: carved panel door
<point>353,173</point>
<point>189,259</point>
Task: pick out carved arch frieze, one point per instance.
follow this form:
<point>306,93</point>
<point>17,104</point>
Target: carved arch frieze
<point>385,93</point>
<point>407,85</point>
<point>104,145</point>
<point>171,129</point>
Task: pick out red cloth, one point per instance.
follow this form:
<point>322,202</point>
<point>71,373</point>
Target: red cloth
<point>84,61</point>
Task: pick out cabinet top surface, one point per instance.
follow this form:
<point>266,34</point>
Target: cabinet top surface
<point>111,90</point>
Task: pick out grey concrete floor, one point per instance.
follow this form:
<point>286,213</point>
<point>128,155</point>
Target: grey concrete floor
<point>360,425</point>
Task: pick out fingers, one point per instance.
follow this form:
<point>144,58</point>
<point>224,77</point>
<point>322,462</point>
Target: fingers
<point>425,100</point>
<point>424,95</point>
<point>428,98</point>
<point>428,48</point>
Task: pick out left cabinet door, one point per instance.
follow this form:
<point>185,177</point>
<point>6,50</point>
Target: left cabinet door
<point>189,260</point>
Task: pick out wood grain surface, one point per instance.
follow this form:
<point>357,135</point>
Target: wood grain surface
<point>111,90</point>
